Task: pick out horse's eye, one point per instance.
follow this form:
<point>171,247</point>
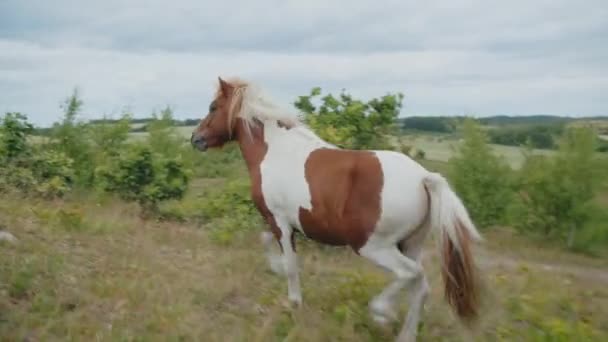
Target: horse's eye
<point>212,107</point>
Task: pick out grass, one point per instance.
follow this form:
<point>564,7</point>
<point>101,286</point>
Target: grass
<point>441,148</point>
<point>91,269</point>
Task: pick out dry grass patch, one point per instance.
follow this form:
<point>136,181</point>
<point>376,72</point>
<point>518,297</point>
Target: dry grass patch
<point>101,273</point>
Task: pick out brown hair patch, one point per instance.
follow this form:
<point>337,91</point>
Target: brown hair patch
<point>345,188</point>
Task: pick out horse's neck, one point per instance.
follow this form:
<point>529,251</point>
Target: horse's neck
<point>252,145</point>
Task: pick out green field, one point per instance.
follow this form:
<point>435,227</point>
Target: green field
<point>442,149</point>
<point>89,268</point>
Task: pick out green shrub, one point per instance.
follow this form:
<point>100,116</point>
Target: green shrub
<point>143,176</point>
<point>228,211</point>
<point>71,137</point>
<point>54,173</point>
<point>420,154</point>
<point>163,137</point>
<point>405,148</point>
<point>224,163</point>
<point>557,192</point>
<point>30,170</point>
<point>231,200</point>
<point>481,179</point>
<point>14,130</point>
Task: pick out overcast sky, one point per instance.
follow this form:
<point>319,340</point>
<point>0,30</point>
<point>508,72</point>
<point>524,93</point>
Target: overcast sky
<point>448,57</point>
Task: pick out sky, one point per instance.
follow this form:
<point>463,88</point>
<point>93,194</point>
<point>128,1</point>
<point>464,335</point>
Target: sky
<point>459,57</point>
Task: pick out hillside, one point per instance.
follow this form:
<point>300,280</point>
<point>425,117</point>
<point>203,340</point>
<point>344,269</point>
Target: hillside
<point>91,269</point>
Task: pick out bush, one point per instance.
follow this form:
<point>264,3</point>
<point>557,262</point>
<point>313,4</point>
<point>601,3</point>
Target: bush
<point>233,199</point>
<point>54,173</point>
<point>14,130</point>
<point>30,170</point>
<point>482,179</point>
<point>420,154</point>
<point>405,148</point>
<point>557,192</point>
<point>145,177</point>
<point>71,137</point>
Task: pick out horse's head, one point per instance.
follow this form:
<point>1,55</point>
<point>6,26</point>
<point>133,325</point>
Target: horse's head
<point>216,128</point>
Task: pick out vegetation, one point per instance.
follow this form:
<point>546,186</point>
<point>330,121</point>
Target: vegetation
<point>352,123</point>
<point>482,179</point>
<point>89,266</point>
<point>537,136</point>
<point>557,196</point>
<point>537,131</point>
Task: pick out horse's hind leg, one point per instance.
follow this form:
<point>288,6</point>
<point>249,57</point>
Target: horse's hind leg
<point>405,270</point>
<point>412,248</point>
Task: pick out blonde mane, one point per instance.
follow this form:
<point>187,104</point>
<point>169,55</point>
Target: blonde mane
<point>251,104</point>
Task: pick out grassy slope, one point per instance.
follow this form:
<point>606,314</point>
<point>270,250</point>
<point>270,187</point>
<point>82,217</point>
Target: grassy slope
<point>84,270</point>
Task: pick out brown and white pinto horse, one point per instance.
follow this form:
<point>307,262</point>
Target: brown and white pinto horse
<point>380,203</point>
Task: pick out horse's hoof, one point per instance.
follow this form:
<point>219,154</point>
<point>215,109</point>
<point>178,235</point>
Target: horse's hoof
<point>381,319</point>
<point>382,313</point>
<point>406,338</point>
<point>295,301</point>
<point>292,304</point>
<point>266,237</point>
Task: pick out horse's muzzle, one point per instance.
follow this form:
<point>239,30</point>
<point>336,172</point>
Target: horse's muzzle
<point>198,142</point>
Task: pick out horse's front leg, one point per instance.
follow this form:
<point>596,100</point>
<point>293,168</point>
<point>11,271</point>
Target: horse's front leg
<point>275,260</point>
<point>290,261</point>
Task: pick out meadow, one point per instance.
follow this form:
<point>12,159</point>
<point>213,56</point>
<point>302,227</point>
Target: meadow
<point>89,265</point>
<point>90,268</point>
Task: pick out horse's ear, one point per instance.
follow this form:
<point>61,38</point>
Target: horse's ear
<point>225,87</point>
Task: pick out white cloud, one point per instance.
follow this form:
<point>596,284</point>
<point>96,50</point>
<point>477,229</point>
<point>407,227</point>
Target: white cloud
<point>447,57</point>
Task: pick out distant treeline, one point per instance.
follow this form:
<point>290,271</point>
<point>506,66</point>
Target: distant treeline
<point>539,131</point>
<point>142,123</point>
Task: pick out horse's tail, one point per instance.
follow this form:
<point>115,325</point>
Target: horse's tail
<point>456,233</point>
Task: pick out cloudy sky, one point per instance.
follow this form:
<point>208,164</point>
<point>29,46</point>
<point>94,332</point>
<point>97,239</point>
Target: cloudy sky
<point>457,57</point>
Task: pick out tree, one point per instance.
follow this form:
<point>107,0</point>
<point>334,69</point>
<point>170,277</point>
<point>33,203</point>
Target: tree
<point>481,178</point>
<point>557,191</point>
<point>14,129</point>
<point>351,123</point>
<point>71,137</point>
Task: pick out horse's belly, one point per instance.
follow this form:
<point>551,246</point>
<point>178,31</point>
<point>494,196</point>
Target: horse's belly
<point>337,232</point>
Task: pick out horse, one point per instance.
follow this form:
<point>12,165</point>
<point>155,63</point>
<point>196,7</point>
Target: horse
<point>380,203</point>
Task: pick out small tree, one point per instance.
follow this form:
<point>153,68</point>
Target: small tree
<point>481,178</point>
<point>71,137</point>
<point>163,136</point>
<point>557,192</point>
<point>352,123</point>
<point>144,176</point>
<point>14,130</point>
